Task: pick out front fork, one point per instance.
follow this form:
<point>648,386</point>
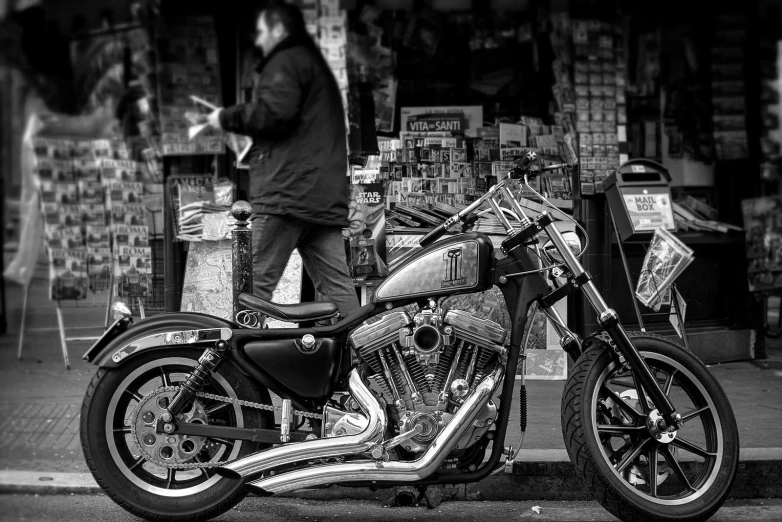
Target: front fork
<point>609,320</point>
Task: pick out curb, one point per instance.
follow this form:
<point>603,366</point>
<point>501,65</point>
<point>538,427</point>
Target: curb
<point>540,474</point>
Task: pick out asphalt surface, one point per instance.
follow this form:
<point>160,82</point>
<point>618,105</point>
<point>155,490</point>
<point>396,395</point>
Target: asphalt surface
<point>80,507</point>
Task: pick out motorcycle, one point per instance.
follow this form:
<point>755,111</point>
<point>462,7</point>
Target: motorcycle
<point>178,421</point>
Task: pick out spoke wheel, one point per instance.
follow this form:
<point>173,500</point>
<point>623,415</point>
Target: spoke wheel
<point>121,444</point>
<point>610,428</point>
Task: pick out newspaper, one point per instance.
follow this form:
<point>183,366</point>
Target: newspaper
<point>665,260</point>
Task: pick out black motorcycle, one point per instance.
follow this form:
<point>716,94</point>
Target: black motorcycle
<point>178,422</point>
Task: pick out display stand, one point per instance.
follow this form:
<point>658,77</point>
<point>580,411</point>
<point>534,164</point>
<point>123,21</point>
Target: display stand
<point>639,202</point>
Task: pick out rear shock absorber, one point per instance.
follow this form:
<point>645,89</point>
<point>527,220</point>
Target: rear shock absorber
<point>207,363</point>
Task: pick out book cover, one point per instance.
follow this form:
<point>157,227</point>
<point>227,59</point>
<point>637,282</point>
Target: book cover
<point>110,149</point>
<point>99,267</point>
<point>130,236</point>
<point>135,215</point>
<point>54,170</point>
<point>98,236</point>
<point>112,171</point>
<point>123,193</point>
<point>365,236</point>
<point>59,193</point>
<point>67,274</point>
<point>91,192</point>
<point>132,271</point>
<point>93,214</point>
<point>86,170</point>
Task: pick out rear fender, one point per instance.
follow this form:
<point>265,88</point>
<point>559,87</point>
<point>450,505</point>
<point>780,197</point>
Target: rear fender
<point>160,331</point>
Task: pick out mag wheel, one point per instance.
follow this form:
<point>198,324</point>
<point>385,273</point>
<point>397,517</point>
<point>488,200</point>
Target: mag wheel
<point>144,471</point>
<point>635,471</point>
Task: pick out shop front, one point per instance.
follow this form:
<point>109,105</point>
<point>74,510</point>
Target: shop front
<point>440,98</point>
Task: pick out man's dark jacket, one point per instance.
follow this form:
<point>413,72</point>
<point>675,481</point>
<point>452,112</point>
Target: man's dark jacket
<point>298,164</point>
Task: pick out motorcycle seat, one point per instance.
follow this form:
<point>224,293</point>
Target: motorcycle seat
<point>289,312</point>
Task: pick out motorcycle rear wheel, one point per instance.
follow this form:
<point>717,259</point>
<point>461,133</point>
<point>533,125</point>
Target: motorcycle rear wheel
<point>122,468</point>
<point>635,472</point>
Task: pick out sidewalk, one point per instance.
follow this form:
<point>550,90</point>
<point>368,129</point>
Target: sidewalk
<point>40,402</point>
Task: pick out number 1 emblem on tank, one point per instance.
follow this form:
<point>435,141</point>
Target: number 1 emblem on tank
<point>453,273</point>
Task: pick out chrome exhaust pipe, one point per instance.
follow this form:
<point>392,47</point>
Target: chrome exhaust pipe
<point>372,470</point>
<point>320,448</point>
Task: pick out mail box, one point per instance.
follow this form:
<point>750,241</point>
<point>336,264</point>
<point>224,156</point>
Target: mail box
<point>639,196</point>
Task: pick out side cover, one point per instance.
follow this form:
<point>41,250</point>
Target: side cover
<point>457,264</point>
<point>310,374</point>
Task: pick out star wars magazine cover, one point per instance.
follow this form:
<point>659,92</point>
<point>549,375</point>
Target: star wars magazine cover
<point>366,235</point>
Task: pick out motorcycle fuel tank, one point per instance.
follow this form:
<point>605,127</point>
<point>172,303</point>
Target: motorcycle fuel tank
<point>457,264</point>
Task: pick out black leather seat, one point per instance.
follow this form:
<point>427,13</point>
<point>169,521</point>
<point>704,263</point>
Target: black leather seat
<point>289,312</point>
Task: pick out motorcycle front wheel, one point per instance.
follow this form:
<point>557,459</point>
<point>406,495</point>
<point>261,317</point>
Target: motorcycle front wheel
<point>633,470</point>
<point>123,449</point>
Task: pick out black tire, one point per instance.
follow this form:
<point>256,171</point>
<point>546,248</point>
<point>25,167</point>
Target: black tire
<point>117,462</point>
<point>616,454</point>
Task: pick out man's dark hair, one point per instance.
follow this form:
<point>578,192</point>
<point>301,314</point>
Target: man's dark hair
<point>288,15</point>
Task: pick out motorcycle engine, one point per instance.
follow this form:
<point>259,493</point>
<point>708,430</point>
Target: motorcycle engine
<point>426,365</point>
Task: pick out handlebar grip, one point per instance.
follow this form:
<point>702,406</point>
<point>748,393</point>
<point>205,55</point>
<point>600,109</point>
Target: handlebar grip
<point>526,162</point>
<point>433,236</point>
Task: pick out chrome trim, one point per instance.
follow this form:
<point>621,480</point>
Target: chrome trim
<point>608,315</point>
<point>177,337</point>
<point>372,470</point>
<point>443,398</point>
<point>321,448</point>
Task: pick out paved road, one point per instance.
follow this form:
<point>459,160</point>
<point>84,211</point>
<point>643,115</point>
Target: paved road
<point>76,508</point>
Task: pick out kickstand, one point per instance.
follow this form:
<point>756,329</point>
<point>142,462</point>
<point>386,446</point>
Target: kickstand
<point>432,494</point>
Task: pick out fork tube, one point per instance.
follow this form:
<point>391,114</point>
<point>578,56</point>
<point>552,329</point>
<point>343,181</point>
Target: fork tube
<point>517,208</point>
<point>501,216</point>
<point>609,320</point>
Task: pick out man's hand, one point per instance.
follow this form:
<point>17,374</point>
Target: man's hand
<point>213,119</point>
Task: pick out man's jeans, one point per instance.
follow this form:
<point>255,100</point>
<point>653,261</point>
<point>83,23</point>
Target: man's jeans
<point>322,250</point>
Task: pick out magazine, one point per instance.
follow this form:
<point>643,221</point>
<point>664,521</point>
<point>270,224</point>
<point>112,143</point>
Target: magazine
<point>99,267</point>
<point>666,258</point>
<point>67,274</point>
<point>132,271</point>
<point>59,193</point>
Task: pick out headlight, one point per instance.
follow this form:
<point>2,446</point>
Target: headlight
<point>573,242</point>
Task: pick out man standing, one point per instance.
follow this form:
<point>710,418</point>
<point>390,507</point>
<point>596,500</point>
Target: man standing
<point>298,164</point>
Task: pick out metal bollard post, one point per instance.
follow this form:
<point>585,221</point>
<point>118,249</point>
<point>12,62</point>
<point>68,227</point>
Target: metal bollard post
<point>242,253</point>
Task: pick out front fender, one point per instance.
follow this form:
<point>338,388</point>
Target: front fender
<point>146,335</point>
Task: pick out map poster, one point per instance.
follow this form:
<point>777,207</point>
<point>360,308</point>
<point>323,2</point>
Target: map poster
<point>208,286</point>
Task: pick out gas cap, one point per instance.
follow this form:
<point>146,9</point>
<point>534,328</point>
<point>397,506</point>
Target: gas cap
<point>308,343</point>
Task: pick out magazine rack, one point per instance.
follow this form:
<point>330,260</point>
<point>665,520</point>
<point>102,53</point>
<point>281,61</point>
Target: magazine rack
<point>656,176</point>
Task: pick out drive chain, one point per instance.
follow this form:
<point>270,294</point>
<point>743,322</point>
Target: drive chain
<point>210,396</point>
